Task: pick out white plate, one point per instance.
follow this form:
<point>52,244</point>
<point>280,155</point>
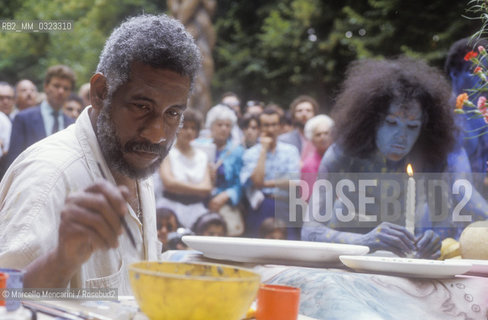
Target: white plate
<point>271,251</point>
<point>480,267</point>
<point>415,268</point>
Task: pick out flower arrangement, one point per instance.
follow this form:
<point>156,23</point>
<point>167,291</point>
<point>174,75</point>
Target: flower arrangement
<point>464,104</point>
<point>479,59</point>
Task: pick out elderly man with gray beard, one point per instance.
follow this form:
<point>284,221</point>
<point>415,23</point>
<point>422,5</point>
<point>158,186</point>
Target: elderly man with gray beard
<point>63,200</point>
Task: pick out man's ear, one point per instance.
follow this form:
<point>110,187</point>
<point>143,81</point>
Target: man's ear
<point>98,90</point>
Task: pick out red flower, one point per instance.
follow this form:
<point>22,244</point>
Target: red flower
<point>477,70</point>
<point>460,100</point>
<point>482,104</point>
<point>470,55</point>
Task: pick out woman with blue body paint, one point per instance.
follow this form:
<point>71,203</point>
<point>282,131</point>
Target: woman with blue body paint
<point>391,113</point>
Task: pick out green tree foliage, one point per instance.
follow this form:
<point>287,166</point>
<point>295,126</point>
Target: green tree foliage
<point>270,50</point>
<point>28,55</point>
<point>276,50</point>
<point>278,53</point>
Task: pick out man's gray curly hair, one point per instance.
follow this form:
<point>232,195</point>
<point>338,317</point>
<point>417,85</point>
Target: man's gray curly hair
<point>159,41</point>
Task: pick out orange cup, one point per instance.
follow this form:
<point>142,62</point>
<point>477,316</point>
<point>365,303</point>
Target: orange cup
<point>276,302</point>
<point>3,285</point>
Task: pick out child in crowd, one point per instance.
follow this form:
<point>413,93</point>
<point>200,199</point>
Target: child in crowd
<point>210,224</point>
<point>249,125</point>
<point>166,222</point>
<point>272,228</point>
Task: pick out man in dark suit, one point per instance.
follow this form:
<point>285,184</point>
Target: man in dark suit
<point>33,124</point>
<point>302,109</point>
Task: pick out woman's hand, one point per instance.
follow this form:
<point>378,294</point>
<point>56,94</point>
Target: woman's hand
<point>429,245</point>
<point>390,237</point>
<point>216,203</point>
<point>212,172</point>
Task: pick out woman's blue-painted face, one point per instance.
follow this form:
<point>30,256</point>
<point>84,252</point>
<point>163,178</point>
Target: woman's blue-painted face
<point>400,129</point>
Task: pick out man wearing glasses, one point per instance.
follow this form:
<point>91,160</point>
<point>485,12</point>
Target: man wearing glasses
<point>266,172</point>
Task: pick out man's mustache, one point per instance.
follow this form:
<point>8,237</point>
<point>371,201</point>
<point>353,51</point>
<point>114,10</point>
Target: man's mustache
<point>145,146</point>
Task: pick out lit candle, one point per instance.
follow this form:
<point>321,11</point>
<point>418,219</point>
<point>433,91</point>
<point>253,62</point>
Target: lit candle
<point>410,202</point>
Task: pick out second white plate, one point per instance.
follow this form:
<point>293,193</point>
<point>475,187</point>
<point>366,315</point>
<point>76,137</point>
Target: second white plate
<point>271,251</point>
<point>407,267</point>
<point>479,267</point>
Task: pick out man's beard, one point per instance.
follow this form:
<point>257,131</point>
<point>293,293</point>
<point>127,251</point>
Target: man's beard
<point>113,151</point>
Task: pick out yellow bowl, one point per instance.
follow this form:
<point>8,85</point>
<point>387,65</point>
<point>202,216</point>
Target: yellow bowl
<point>172,290</point>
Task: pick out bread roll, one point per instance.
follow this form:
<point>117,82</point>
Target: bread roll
<point>474,241</point>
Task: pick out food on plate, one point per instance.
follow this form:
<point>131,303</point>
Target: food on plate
<point>450,249</point>
<point>474,241</point>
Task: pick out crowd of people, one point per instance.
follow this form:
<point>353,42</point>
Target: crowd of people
<point>389,113</point>
<point>230,170</point>
<point>34,115</point>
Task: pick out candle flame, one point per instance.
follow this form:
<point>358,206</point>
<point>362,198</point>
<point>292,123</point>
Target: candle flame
<point>409,170</point>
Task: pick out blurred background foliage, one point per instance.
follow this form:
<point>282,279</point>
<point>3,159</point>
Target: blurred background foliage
<point>270,50</point>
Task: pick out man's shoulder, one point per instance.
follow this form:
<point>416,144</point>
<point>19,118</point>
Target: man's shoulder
<point>289,136</point>
<point>28,115</point>
<point>255,149</point>
<point>4,119</point>
<point>29,112</point>
<point>55,148</point>
<point>44,162</point>
<point>286,147</point>
<point>251,155</point>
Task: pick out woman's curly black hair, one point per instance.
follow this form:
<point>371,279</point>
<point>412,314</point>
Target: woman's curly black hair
<point>367,92</point>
